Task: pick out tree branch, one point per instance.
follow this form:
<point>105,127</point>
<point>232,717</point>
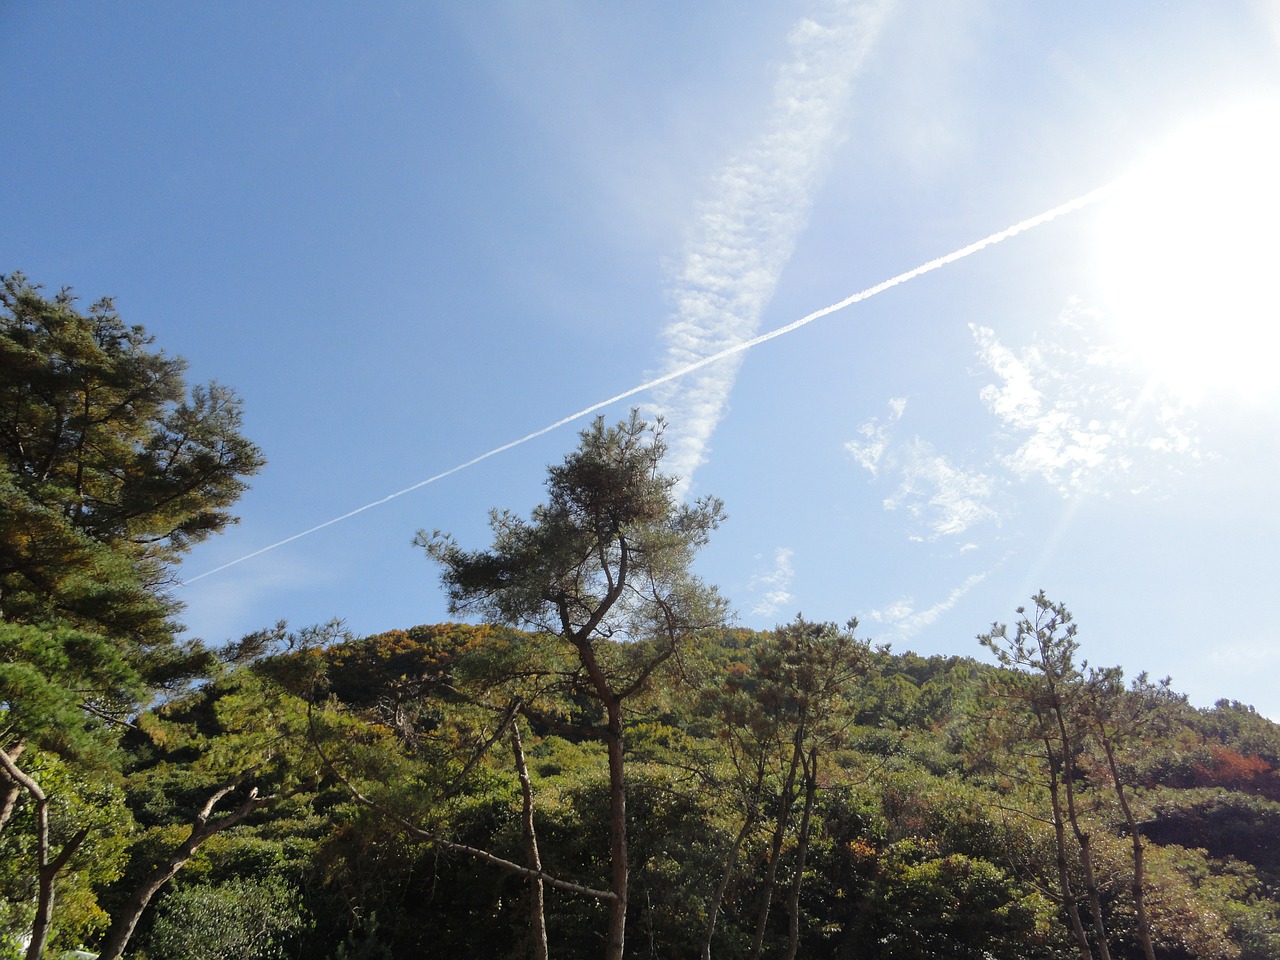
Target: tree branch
<point>414,830</point>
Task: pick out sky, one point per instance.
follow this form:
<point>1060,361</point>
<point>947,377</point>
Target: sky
<point>413,237</point>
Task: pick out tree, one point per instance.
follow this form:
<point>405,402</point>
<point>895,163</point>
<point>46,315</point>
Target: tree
<point>110,470</point>
<point>206,763</point>
<point>67,836</point>
<point>604,566</point>
<point>243,919</point>
<point>796,708</point>
<point>1045,682</point>
<point>1116,718</point>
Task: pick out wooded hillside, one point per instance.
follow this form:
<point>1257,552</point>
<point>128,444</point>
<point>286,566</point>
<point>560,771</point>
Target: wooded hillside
<point>602,767</point>
<point>884,805</point>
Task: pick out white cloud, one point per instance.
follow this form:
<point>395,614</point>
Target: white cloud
<point>871,450</point>
<point>214,608</point>
<point>1076,409</point>
<point>773,590</point>
<point>745,233</point>
<point>904,621</point>
<point>1253,655</point>
<point>1016,400</point>
<point>946,499</point>
<point>943,498</point>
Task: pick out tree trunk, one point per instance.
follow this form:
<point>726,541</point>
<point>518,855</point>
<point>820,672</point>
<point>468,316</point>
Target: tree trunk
<point>537,898</point>
<point>10,788</point>
<point>126,920</point>
<point>731,861</point>
<point>1137,887</point>
<point>619,869</point>
<point>46,870</point>
<point>48,874</point>
<point>785,801</point>
<point>1083,840</point>
<point>730,864</point>
<point>484,856</point>
<point>802,848</point>
<point>1060,850</point>
<point>202,828</point>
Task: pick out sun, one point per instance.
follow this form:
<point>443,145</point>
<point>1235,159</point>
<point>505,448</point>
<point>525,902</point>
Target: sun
<point>1189,257</point>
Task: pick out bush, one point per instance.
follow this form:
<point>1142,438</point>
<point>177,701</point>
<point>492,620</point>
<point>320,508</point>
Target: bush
<point>238,920</point>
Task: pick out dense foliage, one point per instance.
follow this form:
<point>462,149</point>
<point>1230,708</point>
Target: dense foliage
<point>112,468</point>
<point>921,839</point>
<point>858,795</point>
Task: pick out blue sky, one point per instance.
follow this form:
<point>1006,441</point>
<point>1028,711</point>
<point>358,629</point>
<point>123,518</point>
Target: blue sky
<point>409,234</point>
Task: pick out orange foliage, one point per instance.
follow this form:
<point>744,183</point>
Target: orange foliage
<point>1236,771</point>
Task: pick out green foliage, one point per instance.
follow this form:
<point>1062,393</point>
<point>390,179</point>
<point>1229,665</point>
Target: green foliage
<point>47,675</point>
<point>610,541</point>
<point>79,800</point>
<point>337,785</point>
<point>247,919</point>
<point>915,851</point>
<point>955,906</point>
<point>1240,727</point>
<point>362,943</point>
<point>603,566</point>
<point>112,469</point>
<point>1224,823</point>
<point>1189,896</point>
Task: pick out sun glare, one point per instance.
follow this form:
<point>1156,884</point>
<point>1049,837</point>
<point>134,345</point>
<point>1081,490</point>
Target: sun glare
<point>1190,256</point>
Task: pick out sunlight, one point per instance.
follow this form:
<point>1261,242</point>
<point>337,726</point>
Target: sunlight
<point>1190,256</point>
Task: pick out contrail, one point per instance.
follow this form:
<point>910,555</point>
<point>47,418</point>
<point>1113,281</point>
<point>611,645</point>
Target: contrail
<point>1022,226</point>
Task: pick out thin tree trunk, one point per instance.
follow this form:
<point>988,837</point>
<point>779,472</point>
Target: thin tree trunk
<point>619,870</point>
<point>1085,843</point>
<point>10,787</point>
<point>802,848</point>
<point>9,793</point>
<point>730,864</point>
<point>785,802</point>
<point>48,875</point>
<point>1060,849</point>
<point>202,828</point>
<point>484,856</point>
<point>1083,840</point>
<point>731,861</point>
<point>537,898</point>
<point>46,870</point>
<point>1137,888</point>
<point>611,700</point>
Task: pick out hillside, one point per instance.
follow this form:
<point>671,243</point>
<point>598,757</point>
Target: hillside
<point>885,804</point>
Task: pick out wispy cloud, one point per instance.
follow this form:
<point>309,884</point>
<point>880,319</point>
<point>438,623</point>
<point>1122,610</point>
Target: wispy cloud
<point>1073,410</point>
<point>773,590</point>
<point>1078,412</point>
<point>905,621</point>
<point>943,498</point>
<point>746,231</point>
<point>1250,654</point>
<point>946,499</point>
<point>226,602</point>
<point>870,450</point>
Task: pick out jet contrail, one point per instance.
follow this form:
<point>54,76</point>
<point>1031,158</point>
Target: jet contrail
<point>1022,226</point>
